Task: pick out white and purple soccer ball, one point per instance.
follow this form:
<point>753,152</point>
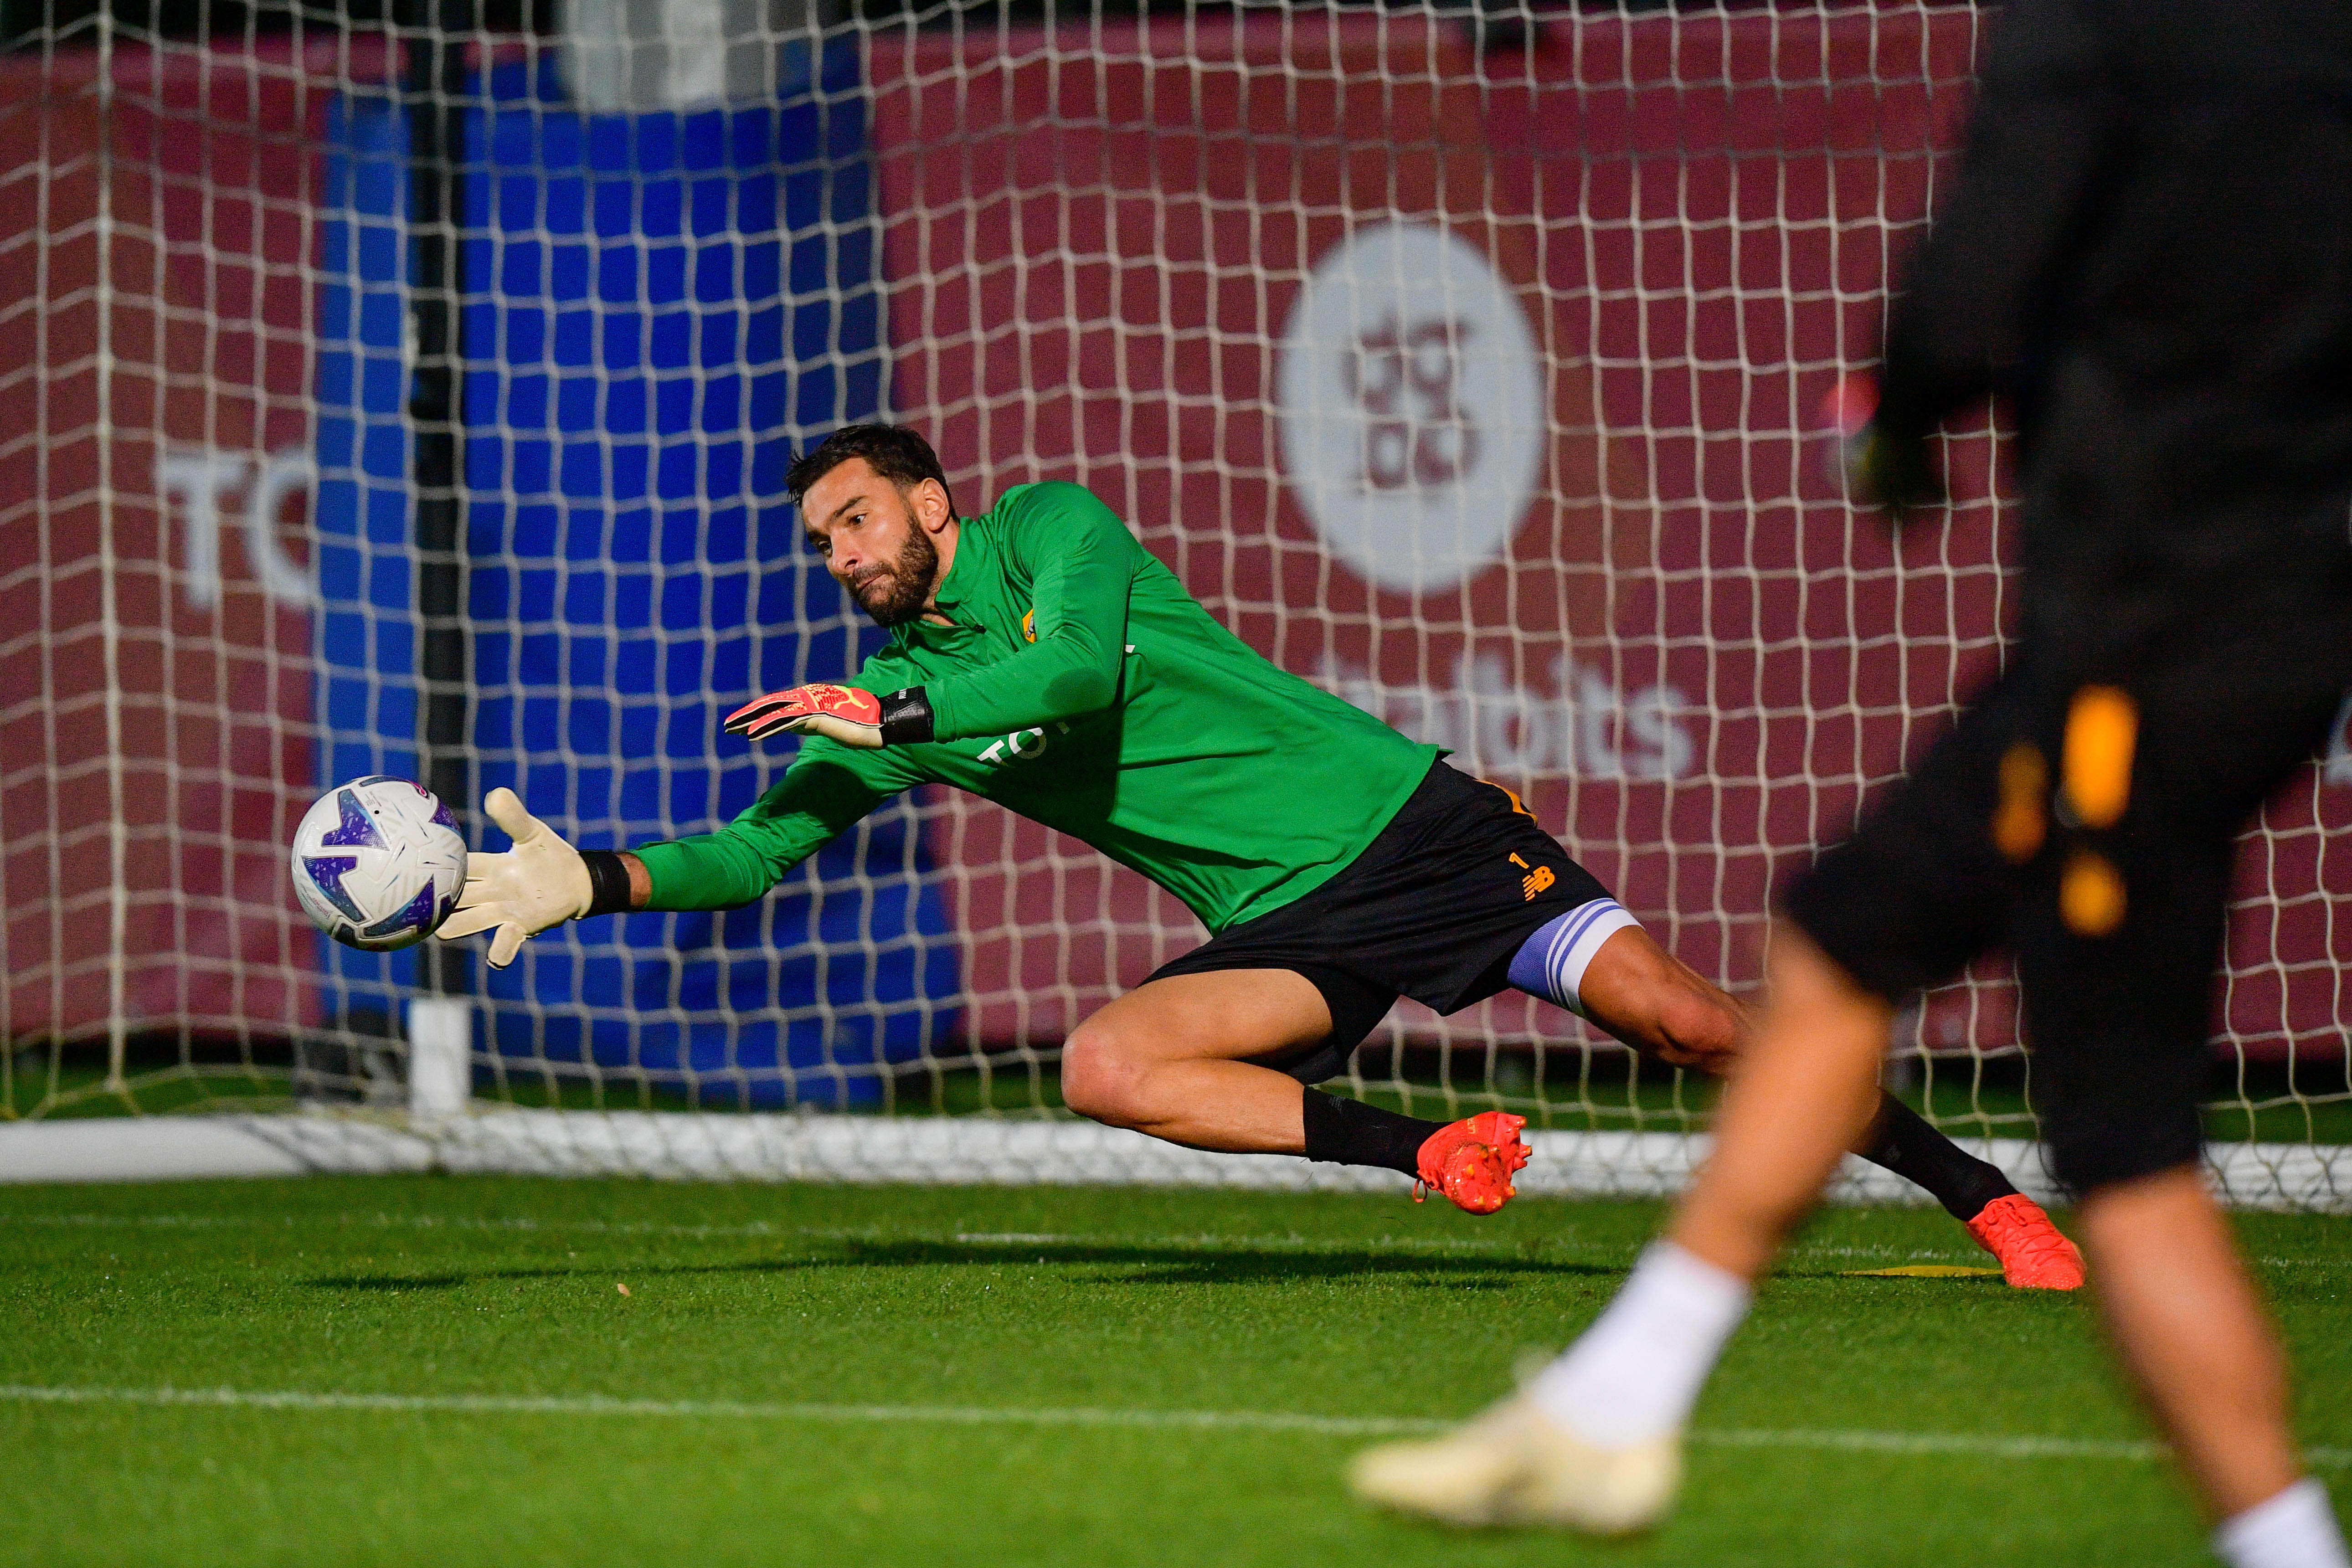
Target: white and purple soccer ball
<point>378,863</point>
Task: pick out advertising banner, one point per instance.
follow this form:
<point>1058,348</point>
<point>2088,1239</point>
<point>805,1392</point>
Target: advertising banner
<point>1481,389</point>
<point>155,584</point>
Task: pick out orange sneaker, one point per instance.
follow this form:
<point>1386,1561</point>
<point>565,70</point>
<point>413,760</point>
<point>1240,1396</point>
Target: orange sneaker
<point>1470,1161</point>
<point>2033,1254</point>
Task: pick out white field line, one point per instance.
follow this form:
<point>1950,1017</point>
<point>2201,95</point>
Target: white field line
<point>1981,1444</point>
<point>598,1405</point>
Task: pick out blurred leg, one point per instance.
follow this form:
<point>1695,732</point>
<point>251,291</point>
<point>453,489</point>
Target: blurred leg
<point>1658,1005</point>
<point>1805,1094</point>
<point>2190,1328</point>
<point>1806,1090</point>
<point>1594,1440</point>
<point>2118,995</point>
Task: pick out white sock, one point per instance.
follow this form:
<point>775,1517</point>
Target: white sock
<point>2295,1529</point>
<point>1637,1371</point>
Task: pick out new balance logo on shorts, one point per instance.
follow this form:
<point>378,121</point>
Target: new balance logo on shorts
<point>1537,879</point>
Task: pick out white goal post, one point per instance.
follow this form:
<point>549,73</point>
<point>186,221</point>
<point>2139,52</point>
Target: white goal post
<point>1466,362</point>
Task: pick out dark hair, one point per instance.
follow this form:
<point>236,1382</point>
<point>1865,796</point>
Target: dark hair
<point>897,454</point>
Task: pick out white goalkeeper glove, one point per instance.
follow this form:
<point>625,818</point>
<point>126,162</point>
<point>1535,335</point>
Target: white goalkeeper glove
<point>541,882</point>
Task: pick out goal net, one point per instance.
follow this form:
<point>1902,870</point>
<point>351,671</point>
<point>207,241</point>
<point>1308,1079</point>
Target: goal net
<point>418,402</point>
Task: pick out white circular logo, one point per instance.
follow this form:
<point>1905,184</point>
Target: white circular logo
<point>1413,406</point>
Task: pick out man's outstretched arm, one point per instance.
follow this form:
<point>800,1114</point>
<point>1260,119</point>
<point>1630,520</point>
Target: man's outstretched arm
<point>828,788</point>
<point>543,881</point>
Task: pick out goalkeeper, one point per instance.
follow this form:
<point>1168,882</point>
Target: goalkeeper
<point>1045,660</point>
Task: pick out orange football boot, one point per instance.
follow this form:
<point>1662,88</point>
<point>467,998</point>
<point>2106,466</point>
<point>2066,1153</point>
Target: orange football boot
<point>1470,1161</point>
<point>2033,1254</point>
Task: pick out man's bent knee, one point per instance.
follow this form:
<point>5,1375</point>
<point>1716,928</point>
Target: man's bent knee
<point>1101,1081</point>
<point>1644,996</point>
<point>1703,1030</point>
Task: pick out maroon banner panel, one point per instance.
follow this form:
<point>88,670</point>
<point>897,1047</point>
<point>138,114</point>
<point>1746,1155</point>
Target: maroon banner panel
<point>156,591</point>
<point>1483,390</point>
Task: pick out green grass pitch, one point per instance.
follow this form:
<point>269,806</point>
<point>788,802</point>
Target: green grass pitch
<point>928,1376</point>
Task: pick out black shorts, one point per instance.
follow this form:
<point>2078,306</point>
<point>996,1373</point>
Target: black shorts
<point>1984,846</point>
<point>1433,908</point>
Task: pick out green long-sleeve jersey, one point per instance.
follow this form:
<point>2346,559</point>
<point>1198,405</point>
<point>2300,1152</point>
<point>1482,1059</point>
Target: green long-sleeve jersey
<point>1081,686</point>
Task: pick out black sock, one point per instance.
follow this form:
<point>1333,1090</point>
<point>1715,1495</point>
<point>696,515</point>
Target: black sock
<point>1350,1132</point>
<point>1903,1143</point>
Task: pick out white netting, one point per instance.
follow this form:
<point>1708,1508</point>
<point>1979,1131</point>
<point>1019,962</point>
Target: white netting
<point>1469,365</point>
<point>155,595</point>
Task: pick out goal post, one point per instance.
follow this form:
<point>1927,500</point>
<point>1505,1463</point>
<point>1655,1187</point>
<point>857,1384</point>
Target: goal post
<point>1463,362</point>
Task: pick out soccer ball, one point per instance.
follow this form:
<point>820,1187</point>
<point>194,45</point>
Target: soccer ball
<point>378,863</point>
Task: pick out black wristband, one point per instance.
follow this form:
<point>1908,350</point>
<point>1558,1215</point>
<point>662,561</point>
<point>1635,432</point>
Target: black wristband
<point>906,718</point>
<point>608,883</point>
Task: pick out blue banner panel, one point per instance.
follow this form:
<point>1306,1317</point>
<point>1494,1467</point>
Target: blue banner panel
<point>658,309</point>
<point>368,704</point>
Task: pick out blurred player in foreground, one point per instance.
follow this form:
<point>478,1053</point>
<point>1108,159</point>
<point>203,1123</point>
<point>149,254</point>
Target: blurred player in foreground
<point>1046,661</point>
<point>2151,251</point>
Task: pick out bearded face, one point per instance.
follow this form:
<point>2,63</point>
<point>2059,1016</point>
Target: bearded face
<point>873,537</point>
<point>895,592</point>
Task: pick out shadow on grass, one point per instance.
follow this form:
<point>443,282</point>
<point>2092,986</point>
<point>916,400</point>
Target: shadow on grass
<point>1150,1263</point>
<point>1136,1265</point>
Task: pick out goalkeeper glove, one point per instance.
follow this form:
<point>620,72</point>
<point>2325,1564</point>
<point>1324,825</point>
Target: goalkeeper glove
<point>1879,470</point>
<point>841,713</point>
<point>541,882</point>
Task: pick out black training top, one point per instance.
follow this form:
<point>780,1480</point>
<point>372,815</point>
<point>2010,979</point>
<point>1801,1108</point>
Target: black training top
<point>2149,251</point>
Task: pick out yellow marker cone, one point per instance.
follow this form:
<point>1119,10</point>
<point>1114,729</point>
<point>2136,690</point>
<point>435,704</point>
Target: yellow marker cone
<point>1921,1271</point>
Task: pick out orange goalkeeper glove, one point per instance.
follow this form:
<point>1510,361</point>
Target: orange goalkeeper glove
<point>843,713</point>
<point>1879,470</point>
